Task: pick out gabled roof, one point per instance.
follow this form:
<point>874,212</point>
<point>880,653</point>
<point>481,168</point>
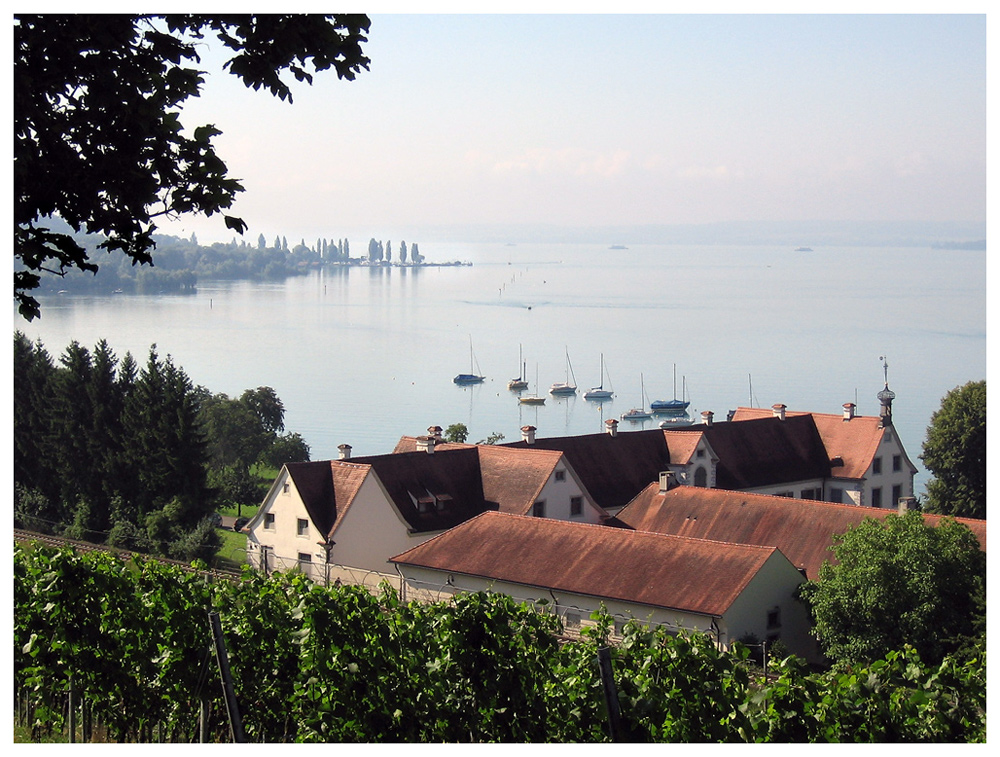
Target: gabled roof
<point>855,441</point>
<point>764,451</point>
<point>450,482</point>
<point>802,529</point>
<point>612,468</point>
<point>511,478</point>
<point>514,478</point>
<point>327,488</point>
<point>691,575</point>
<point>682,446</point>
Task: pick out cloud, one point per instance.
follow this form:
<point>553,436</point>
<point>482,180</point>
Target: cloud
<point>553,162</point>
<point>912,164</point>
<point>708,172</point>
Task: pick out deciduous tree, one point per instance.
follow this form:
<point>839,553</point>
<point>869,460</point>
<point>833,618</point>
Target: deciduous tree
<point>900,581</point>
<point>955,453</point>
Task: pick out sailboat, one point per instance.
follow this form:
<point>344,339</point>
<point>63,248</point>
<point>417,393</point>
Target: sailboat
<point>532,399</point>
<point>638,413</point>
<point>565,387</point>
<point>599,392</point>
<point>671,406</point>
<point>464,379</point>
<point>520,383</point>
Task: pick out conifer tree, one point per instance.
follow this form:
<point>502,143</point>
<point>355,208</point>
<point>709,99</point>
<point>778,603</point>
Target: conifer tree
<point>33,372</point>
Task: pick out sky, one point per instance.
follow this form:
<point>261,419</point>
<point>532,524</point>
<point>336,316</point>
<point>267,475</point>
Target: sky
<point>614,119</point>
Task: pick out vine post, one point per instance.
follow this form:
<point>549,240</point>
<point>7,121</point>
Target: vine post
<point>235,722</point>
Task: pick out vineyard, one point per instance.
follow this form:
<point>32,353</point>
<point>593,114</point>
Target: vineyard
<point>128,641</point>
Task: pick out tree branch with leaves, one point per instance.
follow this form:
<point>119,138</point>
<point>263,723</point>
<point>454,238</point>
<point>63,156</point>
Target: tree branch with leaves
<point>98,141</point>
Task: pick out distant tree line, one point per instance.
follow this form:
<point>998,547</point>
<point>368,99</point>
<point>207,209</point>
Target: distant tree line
<point>106,450</point>
<point>379,252</point>
<point>182,263</point>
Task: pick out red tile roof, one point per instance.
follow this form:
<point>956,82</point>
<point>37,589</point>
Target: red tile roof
<point>327,488</point>
<point>679,573</point>
<point>802,529</point>
<point>855,441</point>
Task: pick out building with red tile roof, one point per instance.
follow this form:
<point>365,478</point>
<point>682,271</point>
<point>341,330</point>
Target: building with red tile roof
<point>729,590</point>
<point>358,512</point>
<point>803,530</point>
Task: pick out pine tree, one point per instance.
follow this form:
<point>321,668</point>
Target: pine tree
<point>33,372</point>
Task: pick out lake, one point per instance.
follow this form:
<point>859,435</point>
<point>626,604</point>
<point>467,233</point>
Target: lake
<point>365,355</point>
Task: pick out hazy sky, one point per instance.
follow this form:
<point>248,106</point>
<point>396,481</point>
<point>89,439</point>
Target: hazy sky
<point>585,120</point>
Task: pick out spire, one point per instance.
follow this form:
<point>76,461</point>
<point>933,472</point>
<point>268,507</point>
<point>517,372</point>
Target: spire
<point>886,396</point>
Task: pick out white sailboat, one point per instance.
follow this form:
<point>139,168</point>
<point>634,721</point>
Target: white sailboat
<point>599,392</point>
<point>565,387</point>
<point>638,413</point>
<point>520,383</point>
<point>532,399</point>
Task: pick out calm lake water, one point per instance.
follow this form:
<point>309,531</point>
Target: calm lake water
<point>364,356</point>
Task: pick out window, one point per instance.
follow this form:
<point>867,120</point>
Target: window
<point>836,495</point>
<point>897,492</point>
<point>538,509</point>
<point>572,619</point>
<point>897,462</point>
<point>810,494</point>
<point>285,487</point>
<point>269,521</point>
<point>877,465</point>
<point>877,496</point>
<point>700,477</point>
<point>302,527</point>
<point>576,505</point>
<point>305,557</point>
<point>700,453</point>
<point>784,494</point>
<point>560,475</point>
<point>774,618</point>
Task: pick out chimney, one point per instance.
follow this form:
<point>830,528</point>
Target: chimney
<point>425,444</point>
<point>778,410</point>
<point>668,480</point>
<point>345,451</point>
<point>435,431</point>
<point>707,416</point>
<point>612,426</point>
<point>906,503</point>
<point>849,408</point>
<point>528,434</point>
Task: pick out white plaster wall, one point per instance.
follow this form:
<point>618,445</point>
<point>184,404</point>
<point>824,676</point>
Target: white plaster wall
<point>774,585</point>
<point>557,496</point>
<point>372,531</point>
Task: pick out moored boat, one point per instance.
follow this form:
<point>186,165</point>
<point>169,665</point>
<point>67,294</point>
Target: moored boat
<point>599,392</point>
<point>464,379</point>
<point>565,387</point>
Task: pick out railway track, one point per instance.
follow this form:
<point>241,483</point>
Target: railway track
<point>21,535</point>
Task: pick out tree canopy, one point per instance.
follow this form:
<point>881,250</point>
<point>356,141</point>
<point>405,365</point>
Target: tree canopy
<point>896,582</point>
<point>955,453</point>
<point>98,141</point>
